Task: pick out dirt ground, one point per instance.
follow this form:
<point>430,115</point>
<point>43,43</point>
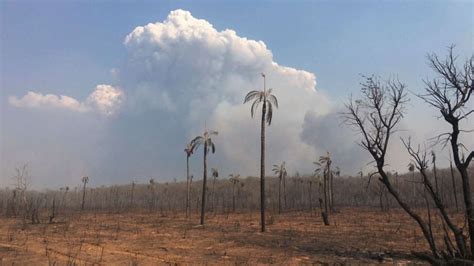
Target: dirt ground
<point>356,236</point>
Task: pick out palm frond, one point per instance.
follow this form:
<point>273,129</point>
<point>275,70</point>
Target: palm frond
<point>196,142</point>
<point>269,113</point>
<point>254,107</point>
<point>213,147</point>
<point>251,95</point>
<point>273,99</point>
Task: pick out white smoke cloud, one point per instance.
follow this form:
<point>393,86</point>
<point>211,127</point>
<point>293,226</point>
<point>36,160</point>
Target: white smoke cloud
<point>185,67</point>
<point>38,100</point>
<point>105,99</point>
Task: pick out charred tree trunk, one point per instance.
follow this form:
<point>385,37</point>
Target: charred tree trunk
<point>204,180</point>
<point>262,167</point>
<point>454,185</point>
<point>187,187</point>
<point>279,193</point>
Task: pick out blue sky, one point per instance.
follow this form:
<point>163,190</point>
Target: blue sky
<point>78,42</point>
<point>67,48</point>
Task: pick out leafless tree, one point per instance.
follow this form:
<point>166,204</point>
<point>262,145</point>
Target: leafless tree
<point>21,179</point>
<point>450,94</point>
<point>376,116</point>
<point>453,182</point>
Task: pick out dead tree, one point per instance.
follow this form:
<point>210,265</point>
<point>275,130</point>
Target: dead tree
<point>189,151</point>
<point>53,211</point>
<point>324,166</point>
<point>453,181</point>
<point>234,179</point>
<point>450,94</point>
<point>460,250</point>
<point>132,194</point>
<point>21,186</point>
<point>375,116</point>
<point>215,175</point>
<point>280,171</point>
<point>411,169</point>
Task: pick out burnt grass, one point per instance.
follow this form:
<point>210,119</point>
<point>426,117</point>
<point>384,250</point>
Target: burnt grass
<point>355,236</point>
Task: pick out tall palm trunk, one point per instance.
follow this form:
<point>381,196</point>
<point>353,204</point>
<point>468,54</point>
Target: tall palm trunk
<point>279,194</point>
<point>83,196</point>
<point>330,196</point>
<point>284,190</point>
<point>262,166</point>
<point>204,180</point>
<point>311,197</point>
<point>187,186</point>
<point>414,187</point>
<point>436,179</point>
<point>213,203</point>
<point>332,191</point>
<point>233,196</point>
<point>325,213</point>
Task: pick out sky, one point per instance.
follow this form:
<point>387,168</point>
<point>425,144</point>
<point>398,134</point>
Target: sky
<point>115,90</point>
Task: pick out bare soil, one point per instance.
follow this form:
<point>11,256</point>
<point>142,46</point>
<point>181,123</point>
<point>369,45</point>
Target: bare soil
<point>355,236</point>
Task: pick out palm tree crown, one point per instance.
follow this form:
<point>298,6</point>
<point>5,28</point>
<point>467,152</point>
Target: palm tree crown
<point>189,149</point>
<point>205,140</point>
<point>264,96</point>
<point>279,170</point>
<point>215,172</point>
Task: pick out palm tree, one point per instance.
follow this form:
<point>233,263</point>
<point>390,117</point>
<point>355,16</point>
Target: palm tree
<point>326,161</point>
<point>234,179</point>
<point>215,175</point>
<point>323,165</point>
<point>433,160</point>
<point>280,171</point>
<point>337,173</point>
<point>310,182</point>
<point>268,100</point>
<point>205,140</point>
<point>152,188</point>
<point>411,168</point>
<point>189,151</point>
<point>85,180</point>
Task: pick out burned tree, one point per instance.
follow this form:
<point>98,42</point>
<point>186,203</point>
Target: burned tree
<point>324,166</point>
<point>268,100</point>
<point>234,179</point>
<point>189,151</point>
<point>450,94</point>
<point>215,175</point>
<point>280,171</point>
<point>376,116</point>
<point>84,180</point>
<point>209,145</point>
